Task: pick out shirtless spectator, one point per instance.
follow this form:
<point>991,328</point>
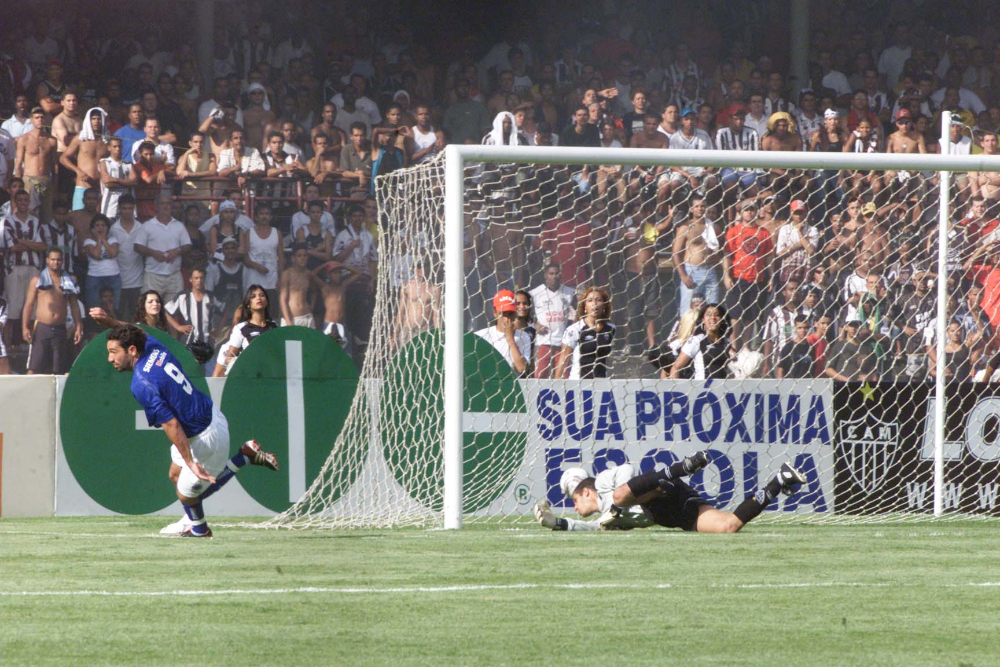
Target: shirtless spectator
<point>325,165</point>
<point>697,252</point>
<point>84,153</point>
<point>781,137</point>
<point>335,136</point>
<point>50,296</point>
<point>257,115</point>
<point>35,163</point>
<point>240,161</point>
<point>297,291</point>
<point>906,139</point>
<point>219,126</point>
<point>648,137</point>
<point>22,254</point>
<point>65,127</point>
<point>986,184</point>
<point>419,305</point>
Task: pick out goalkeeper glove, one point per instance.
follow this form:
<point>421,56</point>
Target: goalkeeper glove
<point>609,519</point>
<point>544,515</point>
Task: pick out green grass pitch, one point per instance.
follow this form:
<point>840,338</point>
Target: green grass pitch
<point>113,592</point>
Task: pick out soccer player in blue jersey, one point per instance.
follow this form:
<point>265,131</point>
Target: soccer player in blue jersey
<point>194,425</point>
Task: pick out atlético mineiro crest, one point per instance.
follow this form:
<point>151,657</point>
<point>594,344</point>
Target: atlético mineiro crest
<point>868,447</point>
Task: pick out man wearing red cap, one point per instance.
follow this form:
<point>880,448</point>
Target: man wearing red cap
<point>512,343</point>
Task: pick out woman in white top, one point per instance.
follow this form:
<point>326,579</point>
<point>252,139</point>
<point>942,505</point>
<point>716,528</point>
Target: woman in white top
<point>265,259</point>
<point>588,340</point>
<point>102,269</point>
<point>255,318</point>
<point>709,349</point>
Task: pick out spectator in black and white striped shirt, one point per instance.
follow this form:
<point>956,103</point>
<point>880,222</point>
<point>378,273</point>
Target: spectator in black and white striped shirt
<point>736,137</point>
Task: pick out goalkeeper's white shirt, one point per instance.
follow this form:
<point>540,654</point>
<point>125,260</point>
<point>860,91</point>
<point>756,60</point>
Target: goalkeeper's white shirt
<point>606,483</point>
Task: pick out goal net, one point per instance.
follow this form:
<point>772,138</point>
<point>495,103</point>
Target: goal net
<point>829,278</point>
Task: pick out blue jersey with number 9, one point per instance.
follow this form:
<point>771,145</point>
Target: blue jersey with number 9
<point>164,392</point>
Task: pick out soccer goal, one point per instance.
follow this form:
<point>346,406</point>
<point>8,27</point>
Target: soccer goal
<point>862,290</point>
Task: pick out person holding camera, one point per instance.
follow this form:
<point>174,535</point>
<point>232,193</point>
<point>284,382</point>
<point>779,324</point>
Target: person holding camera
<point>194,310</point>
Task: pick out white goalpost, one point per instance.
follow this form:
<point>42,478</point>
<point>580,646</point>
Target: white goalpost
<point>445,433</point>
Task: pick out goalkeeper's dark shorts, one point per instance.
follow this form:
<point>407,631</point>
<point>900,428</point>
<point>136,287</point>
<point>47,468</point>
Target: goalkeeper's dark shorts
<point>678,508</point>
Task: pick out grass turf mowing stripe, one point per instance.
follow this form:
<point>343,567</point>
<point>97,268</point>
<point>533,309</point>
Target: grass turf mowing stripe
<point>485,587</point>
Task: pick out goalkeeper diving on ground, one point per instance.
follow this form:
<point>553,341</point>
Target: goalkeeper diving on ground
<point>657,497</point>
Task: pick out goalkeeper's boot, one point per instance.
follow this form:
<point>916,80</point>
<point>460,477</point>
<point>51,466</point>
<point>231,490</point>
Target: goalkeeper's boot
<point>695,462</point>
<point>188,532</point>
<point>257,456</point>
<point>689,465</point>
<point>790,479</point>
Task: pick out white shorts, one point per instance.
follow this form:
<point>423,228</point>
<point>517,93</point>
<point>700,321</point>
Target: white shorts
<point>301,321</point>
<point>210,448</point>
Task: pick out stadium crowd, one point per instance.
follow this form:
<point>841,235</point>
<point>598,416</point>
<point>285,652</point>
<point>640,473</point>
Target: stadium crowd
<point>135,184</point>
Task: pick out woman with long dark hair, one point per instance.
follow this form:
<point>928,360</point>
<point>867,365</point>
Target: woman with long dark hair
<point>588,341</point>
<point>149,310</point>
<point>255,319</point>
<point>709,348</point>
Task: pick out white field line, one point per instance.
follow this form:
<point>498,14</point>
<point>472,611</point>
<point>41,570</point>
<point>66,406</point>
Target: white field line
<point>409,590</point>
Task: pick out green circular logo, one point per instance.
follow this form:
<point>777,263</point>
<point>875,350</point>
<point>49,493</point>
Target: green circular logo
<point>411,421</point>
<point>116,458</point>
<point>292,391</point>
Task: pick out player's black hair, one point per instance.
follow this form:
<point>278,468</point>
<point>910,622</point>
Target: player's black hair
<point>588,483</point>
<point>140,316</point>
<point>245,312</point>
<point>128,335</point>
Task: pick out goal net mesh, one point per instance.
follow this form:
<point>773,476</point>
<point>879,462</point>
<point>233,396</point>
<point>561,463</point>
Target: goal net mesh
<point>828,278</point>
